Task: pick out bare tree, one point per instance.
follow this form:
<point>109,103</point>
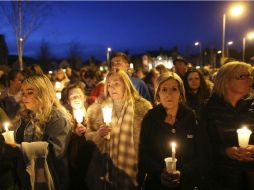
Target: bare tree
<point>75,54</point>
<point>24,17</point>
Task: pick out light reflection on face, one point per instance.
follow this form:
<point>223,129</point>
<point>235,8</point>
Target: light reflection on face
<point>29,97</point>
<point>115,87</point>
<point>76,98</point>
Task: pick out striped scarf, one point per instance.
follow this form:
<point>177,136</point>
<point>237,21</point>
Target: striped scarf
<point>122,150</point>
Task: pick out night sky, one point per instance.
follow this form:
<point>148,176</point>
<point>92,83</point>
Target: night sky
<point>133,26</point>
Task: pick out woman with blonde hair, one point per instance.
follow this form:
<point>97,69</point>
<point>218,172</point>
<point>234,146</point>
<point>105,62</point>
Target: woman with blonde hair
<point>42,132</point>
<point>230,107</point>
<point>170,121</point>
<point>121,147</point>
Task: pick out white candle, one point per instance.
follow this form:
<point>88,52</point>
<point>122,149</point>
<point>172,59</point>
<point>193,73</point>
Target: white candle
<point>131,66</point>
<point>173,147</point>
<point>243,137</point>
<point>59,95</point>
<point>78,115</point>
<point>107,114</point>
<point>8,135</point>
<point>150,66</point>
<point>57,85</point>
<point>107,117</point>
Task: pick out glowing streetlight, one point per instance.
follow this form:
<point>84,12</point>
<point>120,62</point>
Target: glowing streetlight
<point>108,52</point>
<point>219,52</point>
<point>200,51</point>
<point>235,11</point>
<point>249,36</point>
<point>230,43</point>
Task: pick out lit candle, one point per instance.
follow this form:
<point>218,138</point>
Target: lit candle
<point>150,66</point>
<point>107,116</point>
<point>59,95</point>
<point>131,66</point>
<point>243,137</point>
<point>8,135</point>
<point>78,115</point>
<point>57,86</point>
<point>173,147</point>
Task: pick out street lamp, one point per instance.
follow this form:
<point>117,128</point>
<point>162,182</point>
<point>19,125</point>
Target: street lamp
<point>108,53</point>
<point>235,11</point>
<point>249,36</point>
<point>200,51</point>
<point>230,43</point>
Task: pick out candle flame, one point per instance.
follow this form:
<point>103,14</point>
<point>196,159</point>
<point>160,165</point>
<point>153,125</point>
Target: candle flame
<point>6,126</point>
<point>173,144</point>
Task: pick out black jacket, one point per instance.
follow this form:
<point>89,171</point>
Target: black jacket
<point>155,140</point>
<point>220,121</point>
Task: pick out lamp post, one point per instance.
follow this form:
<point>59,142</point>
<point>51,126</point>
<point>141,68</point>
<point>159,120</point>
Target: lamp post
<point>249,36</point>
<point>235,11</point>
<point>200,52</point>
<point>229,44</point>
<point>108,53</point>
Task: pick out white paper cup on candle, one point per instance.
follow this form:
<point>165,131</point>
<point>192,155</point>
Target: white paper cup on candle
<point>170,164</point>
<point>107,117</point>
<point>9,137</point>
<point>243,137</point>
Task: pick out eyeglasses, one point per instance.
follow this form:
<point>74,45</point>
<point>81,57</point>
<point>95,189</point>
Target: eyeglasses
<point>244,77</point>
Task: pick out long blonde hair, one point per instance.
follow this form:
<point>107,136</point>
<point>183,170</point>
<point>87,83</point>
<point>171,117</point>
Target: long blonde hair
<point>130,90</point>
<point>46,100</point>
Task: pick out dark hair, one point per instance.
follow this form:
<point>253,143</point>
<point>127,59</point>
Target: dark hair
<point>203,91</point>
<point>120,54</point>
<point>180,59</point>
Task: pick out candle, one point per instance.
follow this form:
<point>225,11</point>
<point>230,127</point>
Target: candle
<point>107,116</point>
<point>59,95</point>
<point>131,66</point>
<point>78,115</point>
<point>8,135</point>
<point>150,66</point>
<point>173,147</point>
<point>243,137</point>
<point>57,85</point>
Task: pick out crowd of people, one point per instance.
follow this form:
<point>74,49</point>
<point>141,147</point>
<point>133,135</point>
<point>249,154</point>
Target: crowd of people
<point>65,140</point>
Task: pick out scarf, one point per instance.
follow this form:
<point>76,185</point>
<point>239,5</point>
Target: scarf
<point>122,151</point>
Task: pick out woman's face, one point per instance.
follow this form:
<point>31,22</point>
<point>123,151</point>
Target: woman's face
<point>194,81</point>
<point>29,97</point>
<point>239,84</point>
<point>76,98</point>
<point>169,94</point>
<point>115,87</point>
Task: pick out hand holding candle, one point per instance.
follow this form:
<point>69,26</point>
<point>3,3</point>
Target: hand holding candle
<point>171,161</point>
<point>78,115</point>
<point>107,116</point>
<point>243,137</point>
<point>8,135</point>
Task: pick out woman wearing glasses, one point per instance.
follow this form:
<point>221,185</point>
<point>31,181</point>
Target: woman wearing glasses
<point>230,107</point>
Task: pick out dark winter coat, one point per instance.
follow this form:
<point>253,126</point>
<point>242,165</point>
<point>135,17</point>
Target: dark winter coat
<point>155,139</point>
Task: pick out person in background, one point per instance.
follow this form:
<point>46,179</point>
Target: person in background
<point>80,150</point>
<point>115,163</point>
<point>170,121</point>
<point>11,96</point>
<point>120,60</point>
<point>180,66</point>
<point>230,107</point>
<point>150,80</point>
<point>42,134</point>
<point>196,89</point>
